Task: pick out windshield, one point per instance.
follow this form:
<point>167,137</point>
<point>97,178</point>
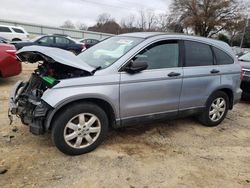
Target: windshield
<point>245,57</point>
<point>108,51</point>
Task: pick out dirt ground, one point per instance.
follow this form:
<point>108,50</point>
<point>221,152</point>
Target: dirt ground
<point>179,153</point>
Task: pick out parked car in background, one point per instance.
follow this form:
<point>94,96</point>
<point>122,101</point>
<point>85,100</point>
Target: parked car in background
<point>13,33</point>
<point>89,42</point>
<point>56,41</point>
<point>9,65</point>
<point>245,84</point>
<point>4,40</point>
<point>125,80</point>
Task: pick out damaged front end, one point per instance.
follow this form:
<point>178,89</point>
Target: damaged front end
<point>25,99</point>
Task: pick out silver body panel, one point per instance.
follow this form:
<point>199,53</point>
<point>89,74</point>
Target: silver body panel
<point>150,91</point>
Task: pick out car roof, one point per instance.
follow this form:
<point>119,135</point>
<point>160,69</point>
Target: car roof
<point>146,35</point>
<point>18,27</point>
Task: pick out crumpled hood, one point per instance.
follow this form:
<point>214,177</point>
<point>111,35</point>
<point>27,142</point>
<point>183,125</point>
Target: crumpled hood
<point>33,54</point>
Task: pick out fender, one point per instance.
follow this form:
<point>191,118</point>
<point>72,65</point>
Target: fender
<point>69,100</point>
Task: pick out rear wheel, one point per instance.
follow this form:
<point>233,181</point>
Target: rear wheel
<point>216,109</point>
<point>79,128</point>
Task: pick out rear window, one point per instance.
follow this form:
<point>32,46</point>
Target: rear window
<point>18,30</point>
<point>198,54</point>
<point>222,58</point>
<point>5,29</point>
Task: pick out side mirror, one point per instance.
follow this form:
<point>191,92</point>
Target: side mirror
<point>136,66</point>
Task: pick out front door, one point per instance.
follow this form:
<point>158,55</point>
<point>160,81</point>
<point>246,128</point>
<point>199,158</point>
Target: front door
<point>155,90</point>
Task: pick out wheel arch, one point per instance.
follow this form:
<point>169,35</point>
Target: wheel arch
<point>16,39</point>
<point>106,106</point>
<point>229,92</point>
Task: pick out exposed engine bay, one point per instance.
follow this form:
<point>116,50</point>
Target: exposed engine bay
<point>26,100</point>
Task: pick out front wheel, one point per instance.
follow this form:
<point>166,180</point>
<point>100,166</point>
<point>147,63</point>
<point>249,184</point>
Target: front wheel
<point>80,128</point>
<point>216,109</point>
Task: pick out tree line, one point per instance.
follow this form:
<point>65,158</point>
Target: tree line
<point>222,19</point>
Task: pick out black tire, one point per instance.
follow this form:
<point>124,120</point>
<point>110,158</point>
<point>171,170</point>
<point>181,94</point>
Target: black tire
<point>66,115</point>
<point>204,117</point>
<point>16,39</point>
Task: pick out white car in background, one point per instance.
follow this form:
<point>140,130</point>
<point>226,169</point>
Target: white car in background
<point>13,33</point>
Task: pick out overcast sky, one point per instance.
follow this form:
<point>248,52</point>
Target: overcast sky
<point>55,12</point>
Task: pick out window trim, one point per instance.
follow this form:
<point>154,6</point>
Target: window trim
<point>180,59</point>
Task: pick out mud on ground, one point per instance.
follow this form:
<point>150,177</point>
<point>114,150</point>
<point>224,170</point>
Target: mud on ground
<point>179,153</point>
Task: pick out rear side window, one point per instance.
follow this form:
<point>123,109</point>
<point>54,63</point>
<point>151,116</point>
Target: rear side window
<point>61,40</point>
<point>5,29</point>
<point>18,30</point>
<point>164,54</point>
<point>222,58</point>
<point>198,54</point>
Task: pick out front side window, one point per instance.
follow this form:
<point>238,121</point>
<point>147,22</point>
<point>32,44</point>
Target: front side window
<point>109,51</point>
<point>5,29</point>
<point>18,30</point>
<point>198,54</point>
<point>222,58</point>
<point>164,54</point>
<point>46,40</point>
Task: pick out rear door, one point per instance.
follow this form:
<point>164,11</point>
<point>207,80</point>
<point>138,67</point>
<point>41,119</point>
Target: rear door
<point>201,75</point>
<point>157,89</point>
<point>62,42</point>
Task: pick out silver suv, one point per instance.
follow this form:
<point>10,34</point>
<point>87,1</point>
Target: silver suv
<point>124,80</point>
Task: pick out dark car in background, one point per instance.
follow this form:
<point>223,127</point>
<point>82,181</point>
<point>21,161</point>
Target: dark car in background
<point>9,65</point>
<point>245,84</point>
<point>4,40</point>
<point>89,42</point>
<point>58,41</point>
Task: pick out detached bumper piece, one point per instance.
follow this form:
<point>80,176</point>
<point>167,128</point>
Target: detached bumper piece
<point>31,110</point>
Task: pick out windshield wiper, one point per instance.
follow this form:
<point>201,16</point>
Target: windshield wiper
<point>244,60</point>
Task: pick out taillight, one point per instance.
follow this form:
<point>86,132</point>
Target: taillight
<point>83,45</point>
<point>11,52</point>
<point>241,73</point>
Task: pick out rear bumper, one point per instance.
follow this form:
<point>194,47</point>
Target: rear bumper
<point>10,67</point>
<point>245,85</point>
<point>237,96</point>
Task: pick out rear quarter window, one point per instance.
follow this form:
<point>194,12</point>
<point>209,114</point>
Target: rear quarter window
<point>222,58</point>
<point>198,54</point>
<point>5,29</point>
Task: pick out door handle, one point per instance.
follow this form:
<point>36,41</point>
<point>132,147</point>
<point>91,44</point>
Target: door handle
<point>174,74</point>
<point>214,71</point>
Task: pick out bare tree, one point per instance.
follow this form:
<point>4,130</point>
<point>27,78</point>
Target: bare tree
<point>147,20</point>
<point>104,18</point>
<point>205,17</point>
<point>68,24</point>
<point>81,26</point>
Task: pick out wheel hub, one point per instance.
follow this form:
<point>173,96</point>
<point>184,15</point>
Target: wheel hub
<point>82,130</point>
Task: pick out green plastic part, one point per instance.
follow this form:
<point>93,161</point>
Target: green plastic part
<point>49,79</point>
